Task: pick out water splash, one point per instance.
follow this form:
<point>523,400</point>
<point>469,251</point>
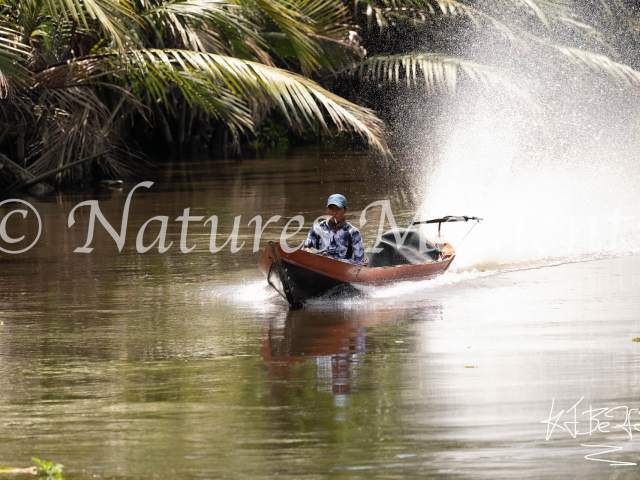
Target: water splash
<point>556,185</point>
<point>410,289</point>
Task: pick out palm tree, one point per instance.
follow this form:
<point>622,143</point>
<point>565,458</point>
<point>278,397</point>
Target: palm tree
<point>73,72</point>
<point>412,40</point>
<point>74,75</point>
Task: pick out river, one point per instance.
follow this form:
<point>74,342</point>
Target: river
<point>136,365</point>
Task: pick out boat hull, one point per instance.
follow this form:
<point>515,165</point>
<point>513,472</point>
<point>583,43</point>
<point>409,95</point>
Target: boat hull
<point>300,275</point>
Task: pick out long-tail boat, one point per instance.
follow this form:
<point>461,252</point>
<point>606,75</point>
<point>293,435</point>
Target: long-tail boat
<point>399,255</point>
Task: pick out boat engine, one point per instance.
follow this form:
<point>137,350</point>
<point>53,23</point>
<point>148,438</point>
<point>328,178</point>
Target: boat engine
<point>415,248</point>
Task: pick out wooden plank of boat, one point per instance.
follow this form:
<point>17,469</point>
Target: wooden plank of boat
<point>301,275</point>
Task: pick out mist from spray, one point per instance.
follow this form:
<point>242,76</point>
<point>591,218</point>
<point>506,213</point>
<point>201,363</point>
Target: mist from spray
<point>555,182</point>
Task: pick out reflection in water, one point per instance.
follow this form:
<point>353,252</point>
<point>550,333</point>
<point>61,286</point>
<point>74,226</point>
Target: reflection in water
<point>331,341</point>
<point>334,340</point>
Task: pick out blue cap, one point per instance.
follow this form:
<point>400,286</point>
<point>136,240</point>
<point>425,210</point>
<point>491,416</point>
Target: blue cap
<point>338,200</point>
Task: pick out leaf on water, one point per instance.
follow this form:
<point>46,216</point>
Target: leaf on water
<point>637,339</point>
<point>470,366</point>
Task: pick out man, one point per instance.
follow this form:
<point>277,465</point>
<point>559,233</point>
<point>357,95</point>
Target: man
<point>336,238</point>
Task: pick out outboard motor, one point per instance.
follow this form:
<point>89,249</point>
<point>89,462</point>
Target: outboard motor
<point>415,248</point>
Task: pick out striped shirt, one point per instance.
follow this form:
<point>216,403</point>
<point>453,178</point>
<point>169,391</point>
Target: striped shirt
<point>342,244</point>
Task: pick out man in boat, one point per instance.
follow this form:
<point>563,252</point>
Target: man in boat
<point>335,237</point>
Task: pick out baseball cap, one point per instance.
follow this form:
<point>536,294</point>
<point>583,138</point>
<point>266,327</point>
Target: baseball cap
<point>338,200</point>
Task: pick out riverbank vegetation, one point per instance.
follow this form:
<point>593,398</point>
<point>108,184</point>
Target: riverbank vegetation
<point>106,80</point>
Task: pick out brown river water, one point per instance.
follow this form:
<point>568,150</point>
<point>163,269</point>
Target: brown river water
<point>186,365</point>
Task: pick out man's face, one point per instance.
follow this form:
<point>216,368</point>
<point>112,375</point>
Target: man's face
<point>335,212</point>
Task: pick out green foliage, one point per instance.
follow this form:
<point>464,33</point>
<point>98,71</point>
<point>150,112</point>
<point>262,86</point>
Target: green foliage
<point>49,470</point>
<point>76,74</point>
<point>271,135</point>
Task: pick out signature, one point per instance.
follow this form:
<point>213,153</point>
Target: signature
<point>595,420</point>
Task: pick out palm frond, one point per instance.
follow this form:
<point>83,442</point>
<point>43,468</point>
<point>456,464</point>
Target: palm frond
<point>438,73</point>
<point>602,64</point>
<point>612,7</point>
<point>199,10</point>
<point>28,18</point>
<point>76,124</point>
<point>294,24</point>
<point>383,10</point>
<point>69,74</point>
<point>203,25</point>
<point>223,87</point>
<point>114,17</point>
<point>302,101</point>
<point>13,57</point>
<point>336,54</point>
<point>534,7</point>
<point>329,17</point>
<point>588,33</point>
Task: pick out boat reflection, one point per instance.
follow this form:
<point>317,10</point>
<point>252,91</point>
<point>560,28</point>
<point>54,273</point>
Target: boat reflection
<point>333,340</point>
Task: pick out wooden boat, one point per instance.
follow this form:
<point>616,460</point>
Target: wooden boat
<point>301,275</point>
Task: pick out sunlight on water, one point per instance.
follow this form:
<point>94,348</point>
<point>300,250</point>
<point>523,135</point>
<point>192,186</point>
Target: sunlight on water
<point>254,292</point>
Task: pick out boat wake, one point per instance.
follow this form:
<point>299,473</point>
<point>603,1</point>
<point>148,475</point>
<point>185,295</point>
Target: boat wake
<point>258,294</point>
<point>402,289</point>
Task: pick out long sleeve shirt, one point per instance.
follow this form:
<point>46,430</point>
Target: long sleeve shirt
<point>341,244</point>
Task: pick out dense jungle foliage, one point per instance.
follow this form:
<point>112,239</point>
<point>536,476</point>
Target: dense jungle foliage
<point>101,79</point>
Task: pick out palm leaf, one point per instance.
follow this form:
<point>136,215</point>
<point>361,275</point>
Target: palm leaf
<point>612,7</point>
<point>294,24</point>
<point>76,124</point>
<point>200,10</point>
<point>437,72</point>
<point>302,101</point>
<point>204,25</point>
<point>329,17</point>
<point>336,54</point>
<point>13,57</point>
<point>383,10</point>
<point>225,87</point>
<point>114,17</point>
<point>601,63</point>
